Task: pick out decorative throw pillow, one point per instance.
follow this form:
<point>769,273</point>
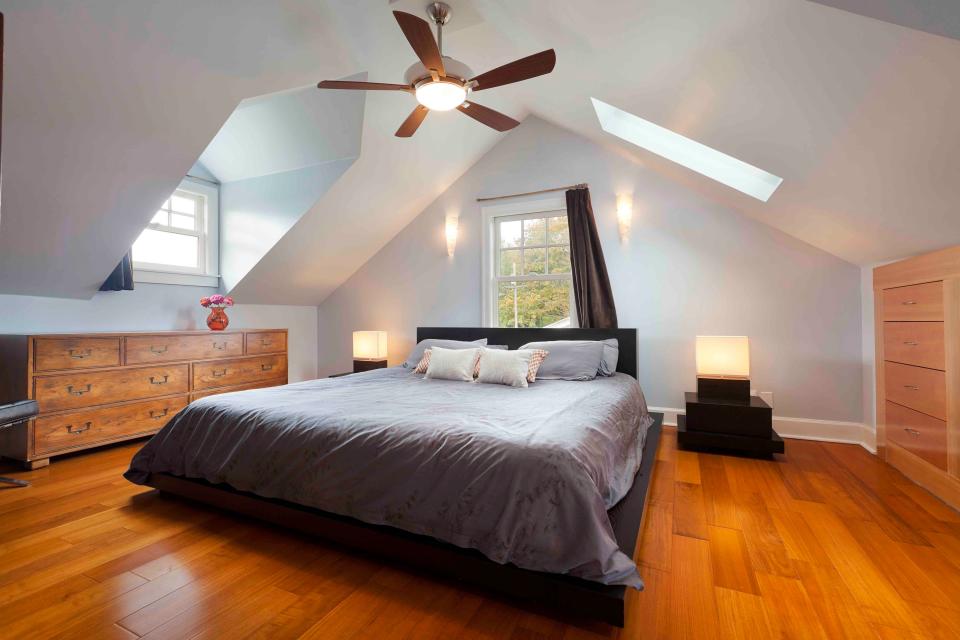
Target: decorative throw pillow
<point>425,360</point>
<point>537,356</point>
<point>504,367</point>
<point>417,354</point>
<point>452,364</point>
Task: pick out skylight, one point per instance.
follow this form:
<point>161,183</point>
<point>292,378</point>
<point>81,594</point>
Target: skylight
<point>684,151</point>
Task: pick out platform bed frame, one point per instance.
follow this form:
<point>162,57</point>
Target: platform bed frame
<point>570,595</point>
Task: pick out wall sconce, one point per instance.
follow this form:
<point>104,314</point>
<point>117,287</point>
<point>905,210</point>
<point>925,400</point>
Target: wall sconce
<point>624,215</point>
<point>451,228</point>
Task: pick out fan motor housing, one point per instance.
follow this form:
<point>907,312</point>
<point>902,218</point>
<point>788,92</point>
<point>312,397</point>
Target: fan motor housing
<point>454,68</point>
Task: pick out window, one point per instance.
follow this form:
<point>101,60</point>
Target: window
<point>528,266</point>
<point>180,244</point>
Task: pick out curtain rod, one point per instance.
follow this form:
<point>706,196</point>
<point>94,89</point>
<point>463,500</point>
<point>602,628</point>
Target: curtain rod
<point>582,185</point>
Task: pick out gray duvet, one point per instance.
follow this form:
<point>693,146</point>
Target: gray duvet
<point>524,475</point>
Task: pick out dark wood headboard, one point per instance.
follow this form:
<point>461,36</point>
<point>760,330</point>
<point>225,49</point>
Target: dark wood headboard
<point>514,338</point>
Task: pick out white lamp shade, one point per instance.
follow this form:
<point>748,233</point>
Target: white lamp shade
<point>723,356</point>
<point>370,345</point>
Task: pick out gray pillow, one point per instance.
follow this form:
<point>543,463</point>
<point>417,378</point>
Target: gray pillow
<point>569,359</point>
<point>414,358</point>
<point>611,354</point>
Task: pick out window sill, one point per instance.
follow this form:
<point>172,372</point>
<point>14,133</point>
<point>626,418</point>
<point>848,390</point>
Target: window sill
<point>167,277</point>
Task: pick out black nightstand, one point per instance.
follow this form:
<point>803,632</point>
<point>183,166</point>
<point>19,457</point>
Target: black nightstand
<point>738,426</point>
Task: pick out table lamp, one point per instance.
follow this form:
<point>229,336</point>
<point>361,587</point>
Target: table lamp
<point>369,350</point>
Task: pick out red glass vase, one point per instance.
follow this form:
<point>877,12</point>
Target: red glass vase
<point>217,320</point>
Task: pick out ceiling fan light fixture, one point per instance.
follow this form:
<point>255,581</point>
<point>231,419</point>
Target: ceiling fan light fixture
<point>441,95</point>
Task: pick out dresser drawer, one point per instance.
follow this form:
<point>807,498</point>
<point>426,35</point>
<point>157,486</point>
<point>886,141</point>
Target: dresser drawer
<point>89,388</point>
<point>918,433</point>
<point>79,429</point>
<point>225,373</point>
<point>918,343</point>
<point>166,348</point>
<point>915,302</point>
<point>260,384</point>
<point>920,389</point>
<point>266,342</point>
<point>50,354</point>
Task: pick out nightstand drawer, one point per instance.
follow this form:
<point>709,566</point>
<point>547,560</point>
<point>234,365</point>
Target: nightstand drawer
<point>918,433</point>
<point>924,390</point>
<point>916,343</point>
<point>167,348</point>
<point>915,302</point>
<point>50,354</point>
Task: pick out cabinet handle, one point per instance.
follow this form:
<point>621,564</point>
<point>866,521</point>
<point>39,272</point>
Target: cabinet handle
<point>909,302</point>
<point>220,347</point>
<point>156,415</point>
<point>265,342</point>
<point>158,350</point>
<point>266,367</point>
<point>911,386</point>
<point>75,430</point>
<point>218,373</point>
<point>154,380</point>
<point>80,354</point>
<point>911,343</point>
<point>912,432</point>
<point>78,392</point>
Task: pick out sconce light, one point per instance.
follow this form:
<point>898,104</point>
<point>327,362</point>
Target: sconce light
<point>452,226</point>
<point>624,215</point>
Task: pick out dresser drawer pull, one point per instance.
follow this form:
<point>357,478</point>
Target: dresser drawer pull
<point>912,432</point>
<point>75,430</point>
<point>908,302</point>
<point>155,380</point>
<point>80,354</point>
<point>912,387</point>
<point>158,350</point>
<point>218,373</point>
<point>911,343</point>
<point>265,342</point>
<point>220,346</point>
<point>156,415</point>
<point>266,367</point>
<point>78,392</point>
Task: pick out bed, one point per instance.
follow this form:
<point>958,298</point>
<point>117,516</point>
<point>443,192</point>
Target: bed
<point>531,492</point>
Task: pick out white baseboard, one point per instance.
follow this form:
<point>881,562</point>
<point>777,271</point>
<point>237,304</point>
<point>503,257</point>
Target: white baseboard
<point>804,429</point>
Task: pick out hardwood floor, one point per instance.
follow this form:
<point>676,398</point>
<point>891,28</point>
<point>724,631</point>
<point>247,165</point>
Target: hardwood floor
<point>826,542</point>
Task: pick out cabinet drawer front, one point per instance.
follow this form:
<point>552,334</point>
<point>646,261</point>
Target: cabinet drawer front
<point>916,302</point>
<point>266,342</point>
<point>79,429</point>
<point>161,348</point>
<point>919,343</point>
<point>50,354</point>
<point>225,373</point>
<point>260,384</point>
<point>918,433</point>
<point>76,390</point>
<point>924,390</point>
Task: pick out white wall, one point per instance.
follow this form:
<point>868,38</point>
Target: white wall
<point>160,307</point>
<point>691,267</point>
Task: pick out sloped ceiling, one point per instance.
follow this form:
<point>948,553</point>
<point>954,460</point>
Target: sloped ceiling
<point>108,104</point>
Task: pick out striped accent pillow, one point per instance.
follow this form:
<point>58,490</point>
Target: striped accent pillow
<point>424,363</point>
<point>536,359</point>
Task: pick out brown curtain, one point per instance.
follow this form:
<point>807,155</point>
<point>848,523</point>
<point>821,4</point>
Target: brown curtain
<point>591,285</point>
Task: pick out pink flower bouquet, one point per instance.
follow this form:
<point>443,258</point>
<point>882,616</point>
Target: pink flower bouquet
<point>216,301</point>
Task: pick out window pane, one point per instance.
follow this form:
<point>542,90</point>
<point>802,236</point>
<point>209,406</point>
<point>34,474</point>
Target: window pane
<point>510,262</point>
<point>559,258</point>
<point>509,234</point>
<point>557,231</point>
<point>535,231</point>
<point>534,261</point>
<point>184,205</point>
<point>160,218</point>
<point>533,304</point>
<point>162,247</point>
<point>181,221</point>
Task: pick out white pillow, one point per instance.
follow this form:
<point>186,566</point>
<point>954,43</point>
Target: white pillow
<point>504,367</point>
<point>452,364</point>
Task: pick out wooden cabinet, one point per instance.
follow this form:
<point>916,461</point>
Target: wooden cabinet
<point>918,369</point>
<point>94,389</point>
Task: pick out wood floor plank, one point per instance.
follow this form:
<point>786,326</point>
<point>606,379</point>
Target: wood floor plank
<point>732,568</point>
<point>656,537</point>
<point>719,503</point>
<point>791,614</point>
<point>742,615</point>
<point>693,608</point>
<point>837,610</point>
<point>689,512</point>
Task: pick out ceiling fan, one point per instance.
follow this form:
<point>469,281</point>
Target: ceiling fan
<point>441,83</point>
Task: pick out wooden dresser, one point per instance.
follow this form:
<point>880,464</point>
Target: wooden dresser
<point>917,306</point>
<point>97,388</point>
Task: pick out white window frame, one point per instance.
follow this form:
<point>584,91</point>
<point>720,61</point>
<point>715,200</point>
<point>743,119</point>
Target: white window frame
<point>208,275</point>
<point>490,216</point>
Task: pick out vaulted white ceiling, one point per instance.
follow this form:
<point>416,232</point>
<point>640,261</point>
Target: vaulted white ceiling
<point>107,104</point>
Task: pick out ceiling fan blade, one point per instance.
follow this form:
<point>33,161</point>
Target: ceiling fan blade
<point>523,69</point>
<point>412,123</point>
<point>487,116</point>
<point>420,37</point>
<point>369,86</point>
